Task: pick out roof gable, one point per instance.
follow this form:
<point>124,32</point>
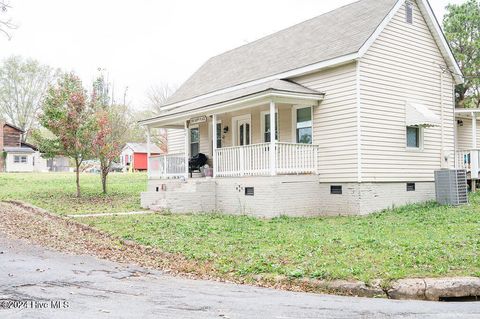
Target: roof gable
<point>435,29</point>
<point>334,34</point>
<point>13,127</point>
<point>142,148</point>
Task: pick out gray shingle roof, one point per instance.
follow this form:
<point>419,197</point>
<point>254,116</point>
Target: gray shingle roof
<point>274,85</point>
<point>142,148</point>
<point>328,36</point>
<point>18,150</point>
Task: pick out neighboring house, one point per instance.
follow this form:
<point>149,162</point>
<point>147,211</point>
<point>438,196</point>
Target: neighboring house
<point>134,156</point>
<point>20,156</point>
<point>350,112</point>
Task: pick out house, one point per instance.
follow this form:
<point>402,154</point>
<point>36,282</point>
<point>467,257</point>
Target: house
<point>134,156</point>
<point>18,156</point>
<point>348,113</point>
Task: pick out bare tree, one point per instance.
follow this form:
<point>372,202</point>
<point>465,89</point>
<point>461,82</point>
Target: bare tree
<point>23,85</point>
<point>157,95</point>
<point>6,23</point>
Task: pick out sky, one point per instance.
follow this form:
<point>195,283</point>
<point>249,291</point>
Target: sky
<point>147,43</point>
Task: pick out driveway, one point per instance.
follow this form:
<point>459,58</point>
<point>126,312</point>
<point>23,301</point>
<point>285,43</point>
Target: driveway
<point>87,287</point>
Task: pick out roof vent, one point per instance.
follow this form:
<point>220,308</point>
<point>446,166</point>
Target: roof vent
<point>409,12</point>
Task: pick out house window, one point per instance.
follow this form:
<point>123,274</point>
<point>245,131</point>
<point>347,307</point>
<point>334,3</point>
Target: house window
<point>20,159</point>
<point>194,141</point>
<point>413,137</point>
<point>219,135</point>
<point>266,127</point>
<point>304,125</point>
<point>409,12</point>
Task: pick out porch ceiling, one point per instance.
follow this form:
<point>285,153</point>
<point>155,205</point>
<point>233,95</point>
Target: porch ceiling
<point>280,91</point>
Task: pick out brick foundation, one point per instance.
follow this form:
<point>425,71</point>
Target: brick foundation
<point>281,195</point>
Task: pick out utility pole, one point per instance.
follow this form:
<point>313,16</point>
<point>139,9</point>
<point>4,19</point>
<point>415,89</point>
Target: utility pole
<point>125,95</point>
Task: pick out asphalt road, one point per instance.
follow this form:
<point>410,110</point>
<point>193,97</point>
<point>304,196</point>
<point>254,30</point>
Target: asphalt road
<point>87,287</point>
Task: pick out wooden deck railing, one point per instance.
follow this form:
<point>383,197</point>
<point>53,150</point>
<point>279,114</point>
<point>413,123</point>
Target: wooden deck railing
<point>468,160</point>
<point>254,160</point>
<point>166,166</point>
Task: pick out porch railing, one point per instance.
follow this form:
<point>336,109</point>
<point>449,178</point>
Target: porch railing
<point>254,160</point>
<point>468,160</point>
<point>166,166</point>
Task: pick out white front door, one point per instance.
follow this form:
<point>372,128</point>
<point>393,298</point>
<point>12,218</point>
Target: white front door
<point>244,129</point>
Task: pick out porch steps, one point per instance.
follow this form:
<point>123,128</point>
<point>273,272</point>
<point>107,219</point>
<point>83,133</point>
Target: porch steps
<point>182,196</point>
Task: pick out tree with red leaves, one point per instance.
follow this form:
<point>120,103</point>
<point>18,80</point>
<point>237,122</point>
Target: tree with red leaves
<point>69,115</point>
<point>111,129</point>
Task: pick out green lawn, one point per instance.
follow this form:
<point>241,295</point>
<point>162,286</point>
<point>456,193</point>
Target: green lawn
<point>420,240</point>
<point>56,191</point>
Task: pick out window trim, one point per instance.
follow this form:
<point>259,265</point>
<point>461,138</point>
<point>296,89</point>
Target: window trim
<point>20,159</point>
<point>195,126</point>
<point>420,139</point>
<point>221,133</point>
<point>262,124</point>
<point>294,122</point>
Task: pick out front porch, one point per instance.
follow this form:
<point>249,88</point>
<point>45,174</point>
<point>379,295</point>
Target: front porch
<point>237,161</point>
<point>467,155</point>
<point>271,134</point>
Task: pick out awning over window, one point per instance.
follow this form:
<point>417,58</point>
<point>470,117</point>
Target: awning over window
<point>419,115</point>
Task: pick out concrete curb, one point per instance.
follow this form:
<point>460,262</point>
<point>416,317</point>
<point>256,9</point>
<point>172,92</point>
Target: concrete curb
<point>435,289</point>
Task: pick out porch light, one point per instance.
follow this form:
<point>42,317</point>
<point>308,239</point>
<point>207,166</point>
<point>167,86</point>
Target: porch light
<point>225,130</point>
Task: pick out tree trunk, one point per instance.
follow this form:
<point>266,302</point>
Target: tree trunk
<point>104,169</point>
<point>77,164</point>
<point>104,181</point>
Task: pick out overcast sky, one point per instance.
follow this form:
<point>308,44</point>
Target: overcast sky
<point>145,42</point>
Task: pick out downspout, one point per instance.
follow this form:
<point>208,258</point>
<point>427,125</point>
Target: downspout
<point>444,155</point>
<point>359,125</point>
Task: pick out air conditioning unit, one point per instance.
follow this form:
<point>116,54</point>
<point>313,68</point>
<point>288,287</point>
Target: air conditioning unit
<point>451,186</point>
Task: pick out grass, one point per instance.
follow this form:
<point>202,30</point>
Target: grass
<point>418,240</point>
<point>56,191</point>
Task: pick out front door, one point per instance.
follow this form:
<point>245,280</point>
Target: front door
<point>243,132</point>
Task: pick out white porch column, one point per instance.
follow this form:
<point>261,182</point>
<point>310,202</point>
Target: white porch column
<point>273,128</point>
<point>474,152</point>
<point>187,149</point>
<point>214,145</point>
<point>148,152</point>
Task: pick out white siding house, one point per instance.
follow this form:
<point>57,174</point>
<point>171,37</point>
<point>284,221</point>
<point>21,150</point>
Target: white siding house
<point>350,112</point>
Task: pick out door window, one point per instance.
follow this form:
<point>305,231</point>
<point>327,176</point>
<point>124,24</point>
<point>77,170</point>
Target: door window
<point>244,132</point>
